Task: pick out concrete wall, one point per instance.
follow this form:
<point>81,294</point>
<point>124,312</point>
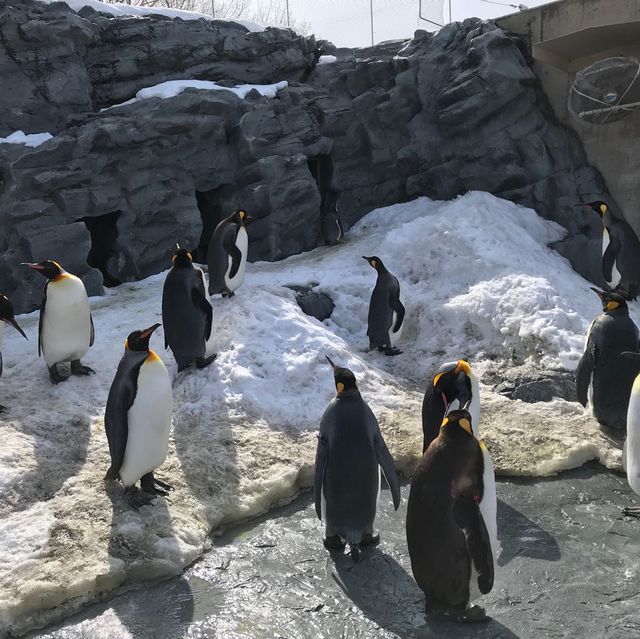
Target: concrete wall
<point>567,36</point>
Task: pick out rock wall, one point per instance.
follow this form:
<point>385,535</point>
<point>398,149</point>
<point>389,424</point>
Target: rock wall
<point>113,190</point>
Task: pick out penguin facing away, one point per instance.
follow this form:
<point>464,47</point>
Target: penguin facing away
<point>137,417</point>
<point>187,315</point>
<point>453,386</point>
<point>332,229</point>
<point>65,331</point>
<point>7,316</point>
<point>602,368</point>
<point>449,538</point>
<point>386,311</point>
<point>350,453</point>
<point>227,254</point>
<point>631,450</point>
<point>620,252</point>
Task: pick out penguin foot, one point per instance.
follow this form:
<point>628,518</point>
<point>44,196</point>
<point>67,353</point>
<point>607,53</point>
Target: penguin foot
<point>203,362</point>
<point>78,369</point>
<point>136,498</point>
<point>227,293</point>
<point>392,351</point>
<point>369,540</point>
<point>153,486</point>
<point>55,376</point>
<point>473,614</point>
<point>631,511</point>
<point>334,543</point>
<point>3,409</point>
<point>355,553</point>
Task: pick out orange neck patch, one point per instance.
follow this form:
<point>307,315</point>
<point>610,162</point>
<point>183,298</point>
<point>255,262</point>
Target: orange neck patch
<point>152,357</point>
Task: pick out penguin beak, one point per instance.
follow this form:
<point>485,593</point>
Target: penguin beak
<point>12,321</point>
<point>330,362</point>
<point>600,294</point>
<point>34,266</point>
<point>147,331</point>
<point>247,219</point>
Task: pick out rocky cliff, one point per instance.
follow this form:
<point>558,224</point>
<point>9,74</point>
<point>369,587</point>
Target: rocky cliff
<point>117,186</point>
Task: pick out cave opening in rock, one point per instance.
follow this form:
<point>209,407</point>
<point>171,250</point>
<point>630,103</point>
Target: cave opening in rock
<point>104,237</point>
<point>211,213</point>
<point>321,170</point>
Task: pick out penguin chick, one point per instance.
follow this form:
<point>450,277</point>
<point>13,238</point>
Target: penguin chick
<point>386,311</point>
<point>602,366</point>
<point>447,535</point>
<point>349,455</point>
<point>137,418</point>
<point>65,331</point>
<point>7,316</point>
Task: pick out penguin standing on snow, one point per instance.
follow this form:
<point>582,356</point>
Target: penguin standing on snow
<point>450,539</point>
<point>7,316</point>
<point>332,230</point>
<point>65,332</point>
<point>350,452</point>
<point>227,254</point>
<point>187,315</point>
<point>386,312</point>
<point>620,252</point>
<point>631,450</point>
<point>453,386</point>
<point>137,418</point>
<point>602,366</point>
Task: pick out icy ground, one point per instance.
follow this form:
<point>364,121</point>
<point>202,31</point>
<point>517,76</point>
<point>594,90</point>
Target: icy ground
<point>478,282</point>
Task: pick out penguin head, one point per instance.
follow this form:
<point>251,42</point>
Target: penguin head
<point>376,262</point>
<point>6,314</point>
<point>611,300</point>
<point>47,268</point>
<point>181,257</point>
<point>598,206</point>
<point>242,217</point>
<point>452,381</point>
<point>458,419</point>
<point>139,340</point>
<point>344,379</point>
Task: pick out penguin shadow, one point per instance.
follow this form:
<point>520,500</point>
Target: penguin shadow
<point>59,449</point>
<point>387,595</point>
<point>519,536</point>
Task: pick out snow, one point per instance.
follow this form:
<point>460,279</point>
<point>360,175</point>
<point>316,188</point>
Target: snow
<point>171,88</point>
<point>327,59</point>
<point>28,139</point>
<point>479,282</point>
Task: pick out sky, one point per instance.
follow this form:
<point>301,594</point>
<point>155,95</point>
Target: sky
<point>348,22</point>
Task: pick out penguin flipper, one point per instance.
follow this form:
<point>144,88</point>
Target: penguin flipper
<point>609,258</point>
<point>388,468</point>
<point>583,372</point>
<point>322,454</point>
<point>199,297</point>
<point>230,248</point>
<point>93,331</point>
<point>43,304</point>
<point>468,516</point>
<point>399,309</point>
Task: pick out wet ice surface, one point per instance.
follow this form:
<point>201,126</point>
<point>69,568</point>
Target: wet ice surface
<point>569,566</point>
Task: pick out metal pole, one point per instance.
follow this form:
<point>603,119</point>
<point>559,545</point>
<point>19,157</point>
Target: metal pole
<point>288,21</point>
<point>449,11</point>
<point>612,109</point>
<point>371,9</point>
<point>213,9</point>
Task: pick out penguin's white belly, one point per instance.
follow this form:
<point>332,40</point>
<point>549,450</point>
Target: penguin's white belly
<point>394,338</point>
<point>615,274</point>
<point>633,438</point>
<point>242,242</point>
<point>1,332</point>
<point>66,326</point>
<point>149,422</point>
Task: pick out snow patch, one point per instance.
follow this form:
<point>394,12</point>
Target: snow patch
<point>327,59</point>
<point>28,139</point>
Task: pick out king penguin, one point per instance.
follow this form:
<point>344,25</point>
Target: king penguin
<point>349,455</point>
<point>602,368</point>
<point>187,315</point>
<point>227,254</point>
<point>620,252</point>
<point>7,316</point>
<point>137,418</point>
<point>631,449</point>
<point>332,229</point>
<point>66,331</point>
<point>386,312</point>
<point>451,541</point>
<point>453,386</point>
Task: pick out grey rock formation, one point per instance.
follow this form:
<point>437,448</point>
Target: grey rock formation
<point>116,188</point>
<point>313,303</point>
<point>542,387</point>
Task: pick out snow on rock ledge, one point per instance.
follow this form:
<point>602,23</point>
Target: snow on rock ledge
<point>478,281</point>
<point>28,139</point>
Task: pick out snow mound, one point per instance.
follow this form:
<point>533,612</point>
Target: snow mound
<point>171,88</point>
<point>478,282</point>
<point>327,59</point>
<point>28,139</point>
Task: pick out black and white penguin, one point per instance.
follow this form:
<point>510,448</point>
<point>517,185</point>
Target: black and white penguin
<point>602,369</point>
<point>65,332</point>
<point>620,252</point>
<point>187,315</point>
<point>332,229</point>
<point>350,452</point>
<point>7,316</point>
<point>137,418</point>
<point>227,254</point>
<point>631,450</point>
<point>449,537</point>
<point>454,386</point>
<point>386,311</point>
